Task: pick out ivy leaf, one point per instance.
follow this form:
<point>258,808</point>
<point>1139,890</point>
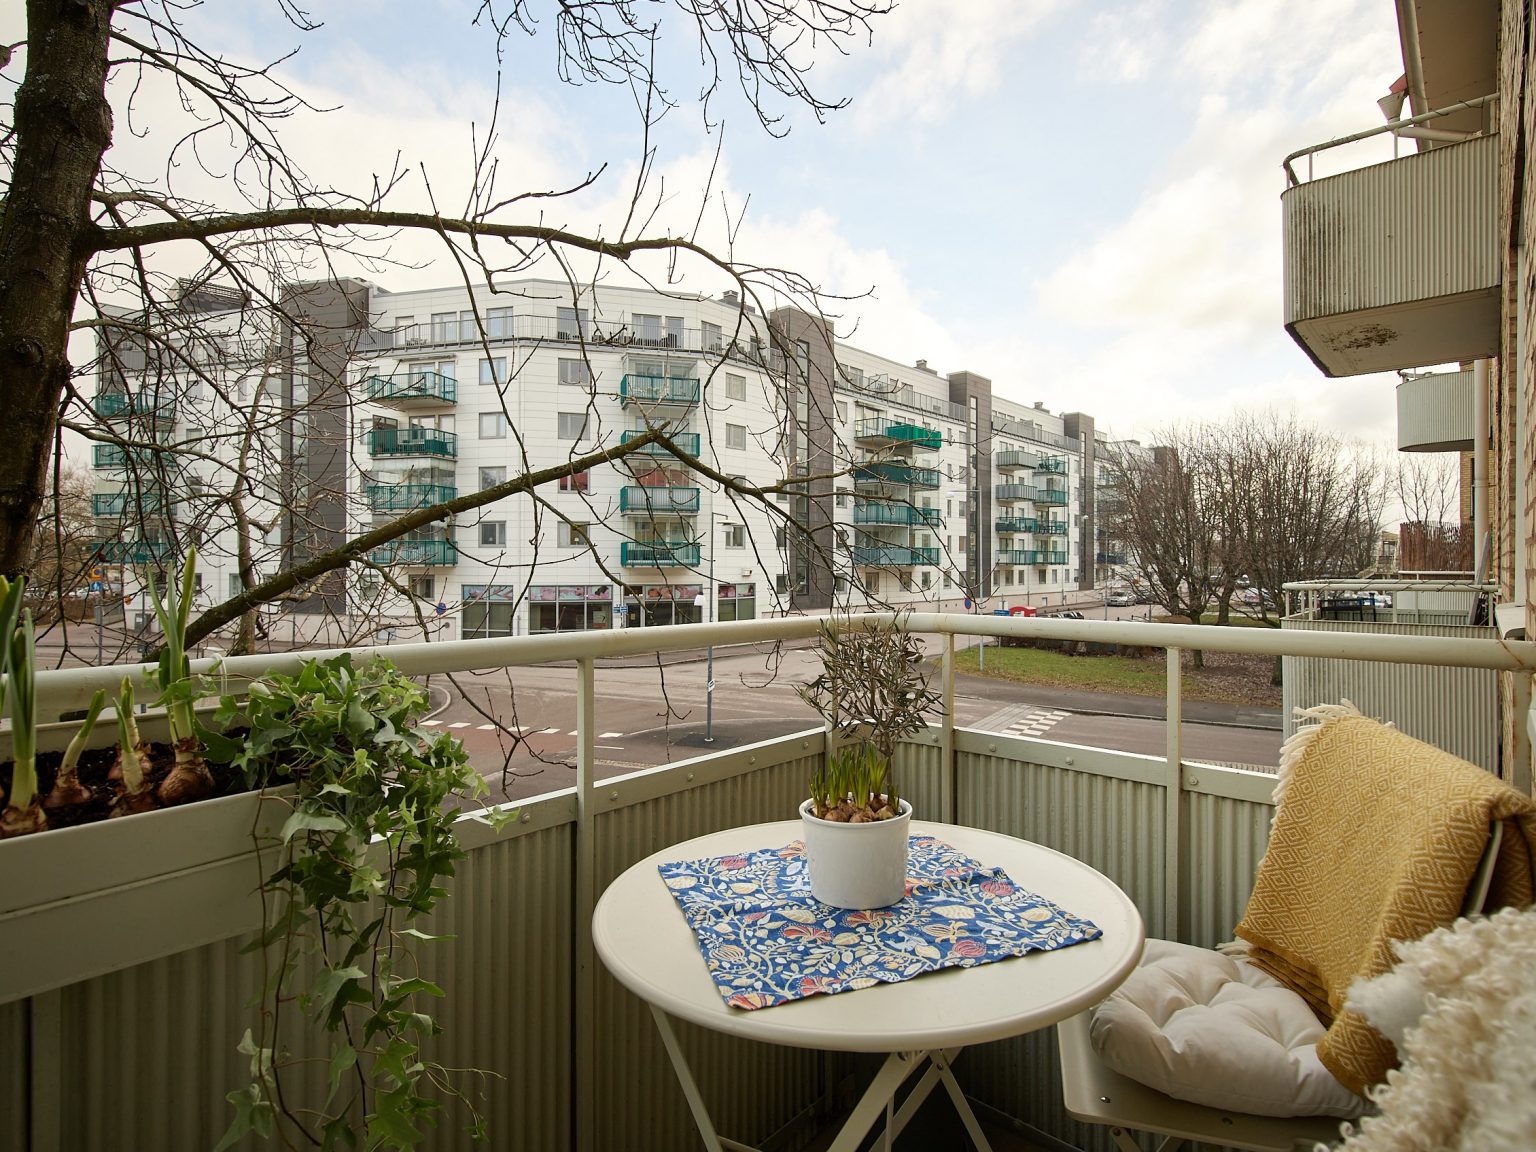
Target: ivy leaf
<point>343,1060</point>
<point>304,821</point>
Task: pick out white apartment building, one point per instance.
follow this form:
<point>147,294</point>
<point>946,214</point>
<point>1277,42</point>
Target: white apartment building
<point>909,489</point>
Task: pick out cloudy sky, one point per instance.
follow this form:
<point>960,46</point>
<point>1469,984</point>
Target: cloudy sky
<point>1078,199</point>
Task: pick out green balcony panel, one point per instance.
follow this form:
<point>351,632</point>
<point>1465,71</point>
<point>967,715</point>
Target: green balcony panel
<point>133,551</point>
<point>1051,496</point>
<point>1050,527</point>
<point>124,503</point>
<point>411,388</point>
<point>647,501</point>
<point>658,391</point>
<point>413,442</point>
<point>408,497</point>
<point>429,552</point>
<point>687,441</point>
<point>882,512</point>
<point>900,433</point>
<point>118,456</point>
<point>1056,464</point>
<point>658,554</point>
<point>892,472</point>
<point>119,405</point>
<point>893,556</point>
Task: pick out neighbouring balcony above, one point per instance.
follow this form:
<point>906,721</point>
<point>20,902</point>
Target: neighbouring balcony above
<point>1054,496</point>
<point>416,551</point>
<point>896,433</point>
<point>133,551</point>
<point>1030,556</point>
<point>660,393</point>
<point>1015,459</point>
<point>687,441</point>
<point>123,405</point>
<point>413,388</point>
<point>893,472</point>
<point>659,554</point>
<point>407,497</point>
<point>1035,524</point>
<point>413,442</point>
<point>1053,464</point>
<point>884,512</point>
<point>121,456</point>
<point>1435,413</point>
<point>1010,493</point>
<point>116,504</point>
<point>642,500</point>
<point>893,556</point>
<point>1396,265</point>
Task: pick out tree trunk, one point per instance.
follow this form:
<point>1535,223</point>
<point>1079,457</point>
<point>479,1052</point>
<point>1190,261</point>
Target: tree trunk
<point>63,126</point>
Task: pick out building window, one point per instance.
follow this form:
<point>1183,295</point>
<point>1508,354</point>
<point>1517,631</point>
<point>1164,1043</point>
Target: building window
<point>469,327</point>
<point>498,323</point>
<point>574,371</point>
<point>927,579</point>
<point>735,535</point>
<point>421,587</point>
<point>564,607</point>
<point>736,601</point>
<point>658,331</point>
<point>573,425</point>
<point>948,582</point>
<point>570,323</point>
<point>872,584</point>
<point>735,436</point>
<point>490,477</point>
<point>842,499</point>
<point>577,482</point>
<point>445,326</point>
<point>493,533</point>
<point>573,535</point>
<point>493,371</point>
<point>713,337</point>
<point>493,425</point>
<point>236,585</point>
<point>735,386</point>
<point>842,412</point>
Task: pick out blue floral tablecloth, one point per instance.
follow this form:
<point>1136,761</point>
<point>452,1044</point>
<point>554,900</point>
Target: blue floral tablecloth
<point>767,941</point>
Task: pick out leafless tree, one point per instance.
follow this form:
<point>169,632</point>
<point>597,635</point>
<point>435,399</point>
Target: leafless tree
<point>98,252</point>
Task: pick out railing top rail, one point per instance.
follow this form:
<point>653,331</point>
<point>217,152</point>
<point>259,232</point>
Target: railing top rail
<point>1388,586</point>
<point>68,689</point>
<point>1406,122</point>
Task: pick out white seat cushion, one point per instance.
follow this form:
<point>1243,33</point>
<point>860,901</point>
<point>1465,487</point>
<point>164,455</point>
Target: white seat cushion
<point>1211,1029</point>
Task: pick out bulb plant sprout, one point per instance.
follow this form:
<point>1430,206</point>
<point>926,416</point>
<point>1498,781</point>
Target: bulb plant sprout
<point>132,759</point>
<point>67,788</point>
<point>188,778</point>
<point>24,811</point>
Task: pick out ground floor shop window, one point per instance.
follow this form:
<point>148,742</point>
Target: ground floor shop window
<point>737,602</point>
<point>657,605</point>
<point>570,607</point>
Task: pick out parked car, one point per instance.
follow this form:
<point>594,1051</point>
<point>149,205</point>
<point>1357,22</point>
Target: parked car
<point>1121,598</point>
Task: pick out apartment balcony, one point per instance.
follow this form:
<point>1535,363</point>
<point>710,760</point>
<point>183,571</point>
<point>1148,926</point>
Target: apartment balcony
<point>1109,557</point>
<point>894,473</point>
<point>1009,493</point>
<point>1054,496</point>
<point>1045,527</point>
<point>407,497</point>
<point>123,405</point>
<point>900,435</point>
<point>122,982</point>
<point>121,456</point>
<point>882,512</point>
<point>1056,465</point>
<point>892,556</point>
<point>1030,556</point>
<point>115,505</point>
<point>396,442</point>
<point>1435,413</point>
<point>658,554</point>
<point>1397,265</point>
<point>411,551</point>
<point>687,441</point>
<point>643,500</point>
<point>413,388</point>
<point>659,395</point>
<point>135,552</point>
<point>1015,459</point>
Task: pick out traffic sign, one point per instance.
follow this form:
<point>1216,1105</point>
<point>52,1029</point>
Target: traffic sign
<point>441,608</point>
<point>96,574</point>
<point>95,585</point>
<point>709,686</point>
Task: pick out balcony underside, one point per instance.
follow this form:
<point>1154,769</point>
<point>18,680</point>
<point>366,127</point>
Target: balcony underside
<point>1407,335</point>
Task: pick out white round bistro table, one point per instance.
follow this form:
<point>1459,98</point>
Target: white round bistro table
<point>643,939</point>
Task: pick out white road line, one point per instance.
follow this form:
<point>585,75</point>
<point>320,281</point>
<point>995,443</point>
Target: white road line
<point>547,731</point>
<point>608,735</point>
<point>459,724</point>
<point>430,723</point>
<point>485,727</point>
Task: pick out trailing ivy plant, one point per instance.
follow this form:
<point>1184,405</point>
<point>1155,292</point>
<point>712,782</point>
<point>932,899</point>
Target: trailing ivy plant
<point>363,854</point>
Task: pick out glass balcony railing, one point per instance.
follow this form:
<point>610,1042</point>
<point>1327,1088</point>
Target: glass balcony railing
<point>413,388</point>
<point>1055,464</point>
<point>407,497</point>
<point>425,551</point>
<point>892,556</point>
<point>647,501</point>
<point>133,551</point>
<point>880,512</point>
<point>1051,496</point>
<point>659,391</point>
<point>127,503</point>
<point>687,441</point>
<point>120,456</point>
<point>120,405</point>
<point>892,472</point>
<point>899,433</point>
<point>658,554</point>
<point>1109,557</point>
<point>1030,556</point>
<point>413,442</point>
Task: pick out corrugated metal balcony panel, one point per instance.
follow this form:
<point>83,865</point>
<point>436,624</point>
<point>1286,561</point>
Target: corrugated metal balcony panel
<point>14,1056</point>
<point>1464,698</point>
<point>1396,265</point>
<point>1434,413</point>
<point>1225,841</point>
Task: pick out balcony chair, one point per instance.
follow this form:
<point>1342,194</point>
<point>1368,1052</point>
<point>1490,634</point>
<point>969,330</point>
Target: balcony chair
<point>1376,838</point>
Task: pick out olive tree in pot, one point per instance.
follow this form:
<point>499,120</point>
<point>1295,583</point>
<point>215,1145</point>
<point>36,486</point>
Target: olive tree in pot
<point>871,693</point>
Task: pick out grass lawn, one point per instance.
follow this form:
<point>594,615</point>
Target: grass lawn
<point>1227,678</point>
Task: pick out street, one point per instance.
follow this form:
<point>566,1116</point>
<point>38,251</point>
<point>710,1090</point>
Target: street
<point>519,724</point>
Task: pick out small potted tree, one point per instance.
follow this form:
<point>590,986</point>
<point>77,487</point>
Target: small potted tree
<point>871,693</point>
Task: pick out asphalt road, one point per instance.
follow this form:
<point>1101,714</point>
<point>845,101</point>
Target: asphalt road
<point>519,725</point>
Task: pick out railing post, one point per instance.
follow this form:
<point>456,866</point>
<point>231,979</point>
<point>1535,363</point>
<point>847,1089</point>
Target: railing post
<point>947,737</point>
<point>1173,797</point>
<point>584,1048</point>
<point>1518,775</point>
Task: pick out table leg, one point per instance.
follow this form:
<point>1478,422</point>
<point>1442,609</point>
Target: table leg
<point>940,1064</point>
<point>713,1141</point>
<point>897,1067</point>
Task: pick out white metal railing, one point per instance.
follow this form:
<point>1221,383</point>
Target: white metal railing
<point>1402,127</point>
<point>1389,601</point>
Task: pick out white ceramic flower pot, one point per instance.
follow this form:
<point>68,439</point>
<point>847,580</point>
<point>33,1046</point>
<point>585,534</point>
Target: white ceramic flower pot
<point>857,865</point>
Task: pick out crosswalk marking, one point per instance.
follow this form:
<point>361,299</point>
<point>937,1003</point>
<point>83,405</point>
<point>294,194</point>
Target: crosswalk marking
<point>459,724</point>
<point>485,727</point>
<point>430,723</point>
<point>1038,723</point>
<point>608,735</point>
